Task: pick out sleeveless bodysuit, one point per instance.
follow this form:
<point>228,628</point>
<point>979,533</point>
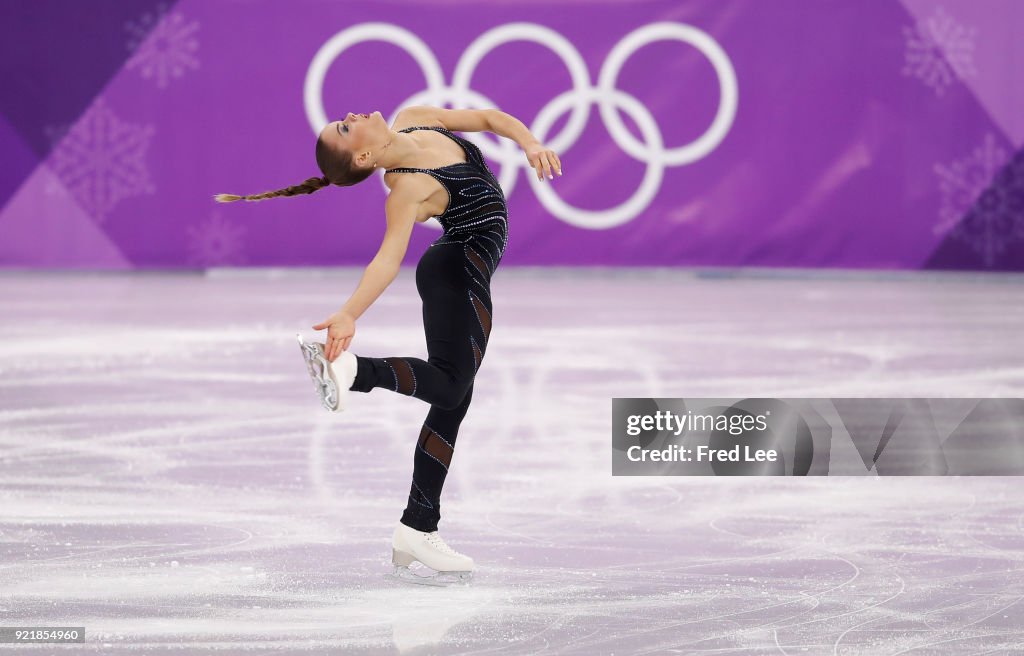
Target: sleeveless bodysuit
<point>453,278</point>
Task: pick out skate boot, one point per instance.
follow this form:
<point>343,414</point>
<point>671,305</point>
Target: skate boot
<point>332,380</point>
<point>448,566</point>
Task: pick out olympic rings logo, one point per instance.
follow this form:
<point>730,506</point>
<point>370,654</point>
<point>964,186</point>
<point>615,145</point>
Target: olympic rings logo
<point>577,101</point>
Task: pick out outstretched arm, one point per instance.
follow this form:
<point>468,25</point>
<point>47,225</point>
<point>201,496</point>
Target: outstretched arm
<point>541,158</point>
<point>401,208</point>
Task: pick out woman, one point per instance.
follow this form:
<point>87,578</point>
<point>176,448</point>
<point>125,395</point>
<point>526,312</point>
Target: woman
<point>430,172</point>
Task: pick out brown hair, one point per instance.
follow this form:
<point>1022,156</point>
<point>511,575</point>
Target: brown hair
<point>335,165</point>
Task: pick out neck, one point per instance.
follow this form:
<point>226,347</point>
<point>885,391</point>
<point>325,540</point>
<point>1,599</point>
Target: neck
<point>400,151</point>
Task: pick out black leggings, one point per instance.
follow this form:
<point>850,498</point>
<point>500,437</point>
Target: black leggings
<point>453,279</point>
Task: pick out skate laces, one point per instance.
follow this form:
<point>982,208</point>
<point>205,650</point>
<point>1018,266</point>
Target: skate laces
<point>435,540</point>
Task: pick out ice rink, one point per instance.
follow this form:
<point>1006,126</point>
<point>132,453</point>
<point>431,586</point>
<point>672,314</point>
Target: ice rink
<point>169,481</point>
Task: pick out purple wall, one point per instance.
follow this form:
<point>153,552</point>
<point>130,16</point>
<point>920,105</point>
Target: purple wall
<point>852,133</point>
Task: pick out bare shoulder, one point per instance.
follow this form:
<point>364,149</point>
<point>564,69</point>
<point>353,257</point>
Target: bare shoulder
<point>417,116</point>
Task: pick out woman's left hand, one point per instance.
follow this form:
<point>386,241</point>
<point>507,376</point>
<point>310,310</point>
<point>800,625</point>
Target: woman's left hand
<point>543,159</point>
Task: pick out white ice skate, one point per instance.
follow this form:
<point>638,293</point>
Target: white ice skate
<point>409,545</point>
<point>332,380</point>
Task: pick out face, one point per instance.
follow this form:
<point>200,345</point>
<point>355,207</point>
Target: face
<point>363,135</point>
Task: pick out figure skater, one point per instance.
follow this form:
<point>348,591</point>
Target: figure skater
<point>452,182</point>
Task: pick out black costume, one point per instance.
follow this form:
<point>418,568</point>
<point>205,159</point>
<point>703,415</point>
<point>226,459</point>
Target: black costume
<point>453,279</point>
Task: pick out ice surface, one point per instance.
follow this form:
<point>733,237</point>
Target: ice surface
<point>168,478</point>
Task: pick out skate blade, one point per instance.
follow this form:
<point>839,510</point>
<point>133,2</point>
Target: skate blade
<point>316,365</point>
<point>436,579</point>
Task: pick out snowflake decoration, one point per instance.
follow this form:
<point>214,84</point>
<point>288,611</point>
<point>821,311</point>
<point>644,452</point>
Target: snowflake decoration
<point>215,242</point>
<point>163,45</point>
<point>938,51</point>
<point>983,200</point>
<point>101,160</point>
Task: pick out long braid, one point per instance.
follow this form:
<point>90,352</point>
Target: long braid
<point>335,164</point>
<point>307,187</point>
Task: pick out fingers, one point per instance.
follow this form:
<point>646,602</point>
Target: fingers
<point>320,326</point>
<point>545,158</point>
<point>545,162</point>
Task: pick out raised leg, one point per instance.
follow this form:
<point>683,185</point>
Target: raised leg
<point>457,323</point>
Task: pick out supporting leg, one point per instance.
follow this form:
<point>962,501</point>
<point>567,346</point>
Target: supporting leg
<point>432,458</point>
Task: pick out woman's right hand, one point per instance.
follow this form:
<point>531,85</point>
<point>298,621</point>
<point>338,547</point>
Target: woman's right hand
<point>341,328</point>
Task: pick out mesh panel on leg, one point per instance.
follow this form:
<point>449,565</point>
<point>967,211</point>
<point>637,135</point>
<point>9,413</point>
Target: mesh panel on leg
<point>477,355</point>
<point>435,446</point>
<point>482,314</point>
<point>405,379</point>
<point>478,262</point>
<point>481,287</point>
